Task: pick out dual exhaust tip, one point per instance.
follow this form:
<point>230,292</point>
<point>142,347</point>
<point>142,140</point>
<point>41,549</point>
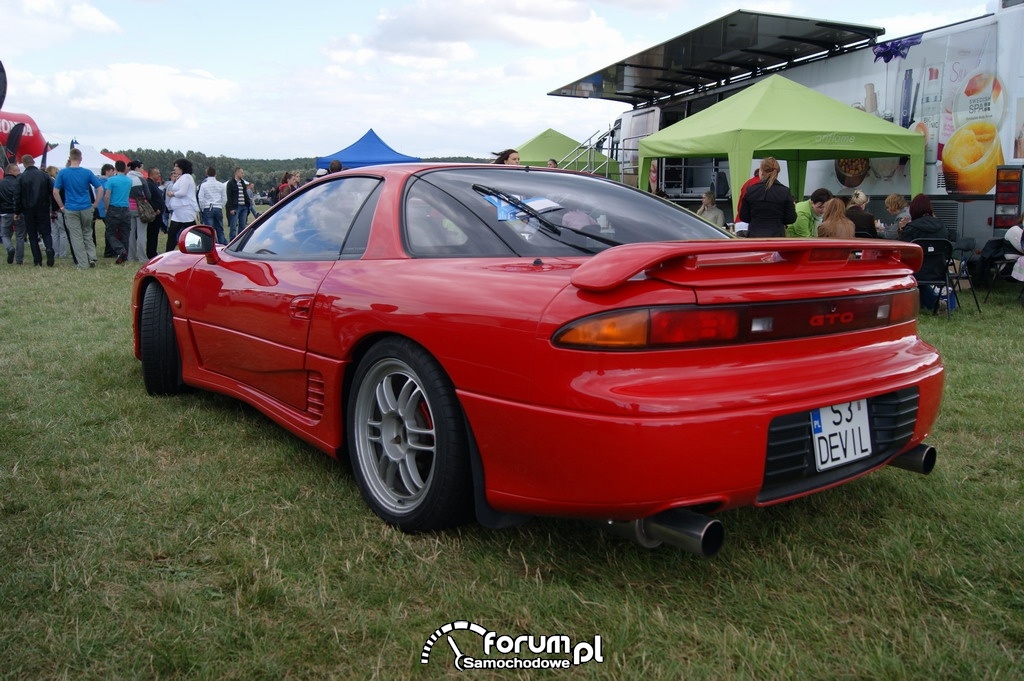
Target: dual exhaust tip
<point>704,536</point>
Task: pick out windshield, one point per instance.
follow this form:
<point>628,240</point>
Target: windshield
<point>481,211</point>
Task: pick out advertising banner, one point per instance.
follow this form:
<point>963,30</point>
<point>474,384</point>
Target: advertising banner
<point>948,88</point>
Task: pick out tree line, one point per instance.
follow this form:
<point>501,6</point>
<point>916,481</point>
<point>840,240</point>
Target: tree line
<point>263,173</point>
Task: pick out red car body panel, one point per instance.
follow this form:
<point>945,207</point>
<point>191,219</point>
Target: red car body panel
<point>559,431</point>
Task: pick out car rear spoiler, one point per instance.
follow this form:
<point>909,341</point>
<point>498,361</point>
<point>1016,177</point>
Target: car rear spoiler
<point>720,262</point>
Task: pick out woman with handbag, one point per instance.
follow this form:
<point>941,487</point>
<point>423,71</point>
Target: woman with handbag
<point>137,229</point>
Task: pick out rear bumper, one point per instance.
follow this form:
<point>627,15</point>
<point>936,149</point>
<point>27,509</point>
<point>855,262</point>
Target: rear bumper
<point>717,453</point>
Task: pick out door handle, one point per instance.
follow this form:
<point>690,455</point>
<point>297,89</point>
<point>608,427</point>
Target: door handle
<point>301,307</point>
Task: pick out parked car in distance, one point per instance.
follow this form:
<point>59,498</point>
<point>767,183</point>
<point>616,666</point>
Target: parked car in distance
<point>500,342</point>
<point>261,199</point>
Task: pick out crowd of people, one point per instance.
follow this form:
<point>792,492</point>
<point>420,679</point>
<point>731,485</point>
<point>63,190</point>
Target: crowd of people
<point>766,208</point>
<point>55,212</point>
<point>769,210</point>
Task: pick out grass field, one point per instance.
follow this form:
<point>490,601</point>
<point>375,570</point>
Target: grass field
<point>190,537</point>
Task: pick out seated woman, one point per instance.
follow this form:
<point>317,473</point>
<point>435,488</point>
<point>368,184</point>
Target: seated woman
<point>709,211</point>
<point>1014,238</point>
<point>834,223</point>
<point>897,207</point>
<point>924,225</point>
<point>863,221</point>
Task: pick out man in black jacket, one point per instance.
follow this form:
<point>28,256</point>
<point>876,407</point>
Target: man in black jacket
<point>156,198</point>
<point>12,227</point>
<point>36,190</point>
<point>238,203</point>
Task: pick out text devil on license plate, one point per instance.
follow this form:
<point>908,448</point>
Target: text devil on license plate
<point>841,434</point>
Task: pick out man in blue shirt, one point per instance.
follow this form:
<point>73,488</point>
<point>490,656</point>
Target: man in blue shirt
<point>115,203</point>
<point>77,205</point>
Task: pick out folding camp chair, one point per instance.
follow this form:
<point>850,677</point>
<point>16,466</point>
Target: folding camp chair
<point>938,257</point>
<point>961,270</point>
<point>999,257</point>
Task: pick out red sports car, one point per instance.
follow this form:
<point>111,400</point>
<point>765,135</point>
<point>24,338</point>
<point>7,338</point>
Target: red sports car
<point>502,341</point>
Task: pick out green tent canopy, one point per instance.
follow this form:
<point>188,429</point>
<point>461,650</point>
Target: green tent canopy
<point>780,118</point>
<point>568,152</point>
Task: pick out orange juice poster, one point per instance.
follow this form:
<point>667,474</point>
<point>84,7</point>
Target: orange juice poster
<point>946,85</point>
<point>973,109</point>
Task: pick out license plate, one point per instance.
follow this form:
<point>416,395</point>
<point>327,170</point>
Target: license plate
<point>841,434</point>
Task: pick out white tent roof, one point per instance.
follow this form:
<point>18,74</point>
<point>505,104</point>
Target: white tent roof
<point>58,156</point>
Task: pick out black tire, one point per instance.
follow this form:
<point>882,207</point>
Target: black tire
<point>161,362</point>
<point>407,439</point>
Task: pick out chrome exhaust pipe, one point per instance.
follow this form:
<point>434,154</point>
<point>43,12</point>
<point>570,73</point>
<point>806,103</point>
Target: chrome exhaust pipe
<point>687,530</point>
<point>920,459</point>
<point>677,527</point>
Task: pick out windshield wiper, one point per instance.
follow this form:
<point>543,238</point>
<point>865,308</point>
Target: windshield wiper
<point>546,225</point>
<point>523,207</point>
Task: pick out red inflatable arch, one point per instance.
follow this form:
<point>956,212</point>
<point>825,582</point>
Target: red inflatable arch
<point>32,141</point>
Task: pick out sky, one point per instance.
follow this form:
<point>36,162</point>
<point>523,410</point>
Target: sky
<point>279,80</point>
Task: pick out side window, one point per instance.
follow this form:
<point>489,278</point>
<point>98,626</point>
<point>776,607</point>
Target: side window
<point>435,224</point>
<point>359,233</point>
<point>313,225</point>
<point>428,228</point>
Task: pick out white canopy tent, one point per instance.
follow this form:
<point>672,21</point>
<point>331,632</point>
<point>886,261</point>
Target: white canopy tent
<point>58,155</point>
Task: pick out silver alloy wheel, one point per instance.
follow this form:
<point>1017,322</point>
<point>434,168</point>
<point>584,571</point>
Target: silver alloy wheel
<point>395,441</point>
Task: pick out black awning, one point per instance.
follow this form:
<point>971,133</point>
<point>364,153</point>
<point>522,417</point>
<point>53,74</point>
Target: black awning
<point>735,47</point>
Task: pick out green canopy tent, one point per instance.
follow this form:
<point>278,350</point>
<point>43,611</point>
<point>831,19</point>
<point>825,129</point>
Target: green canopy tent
<point>568,152</point>
<point>780,118</point>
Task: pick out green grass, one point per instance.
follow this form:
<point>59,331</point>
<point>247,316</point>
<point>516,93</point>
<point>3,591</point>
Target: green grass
<point>190,537</point>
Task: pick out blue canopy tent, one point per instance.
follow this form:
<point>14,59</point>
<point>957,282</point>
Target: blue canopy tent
<point>369,150</point>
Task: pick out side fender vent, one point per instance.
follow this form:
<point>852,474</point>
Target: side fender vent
<point>315,392</point>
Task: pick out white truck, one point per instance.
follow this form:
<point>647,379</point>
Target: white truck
<point>961,86</point>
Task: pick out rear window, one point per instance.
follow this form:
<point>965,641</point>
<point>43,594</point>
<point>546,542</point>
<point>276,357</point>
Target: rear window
<point>502,211</point>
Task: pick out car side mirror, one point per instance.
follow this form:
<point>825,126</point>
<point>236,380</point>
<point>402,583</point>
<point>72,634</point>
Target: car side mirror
<point>198,240</point>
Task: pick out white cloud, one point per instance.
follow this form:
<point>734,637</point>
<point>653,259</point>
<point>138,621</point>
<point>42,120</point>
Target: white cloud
<point>519,23</point>
<point>86,17</point>
<point>53,19</point>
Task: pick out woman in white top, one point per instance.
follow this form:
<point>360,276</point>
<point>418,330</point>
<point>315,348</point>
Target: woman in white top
<point>181,201</point>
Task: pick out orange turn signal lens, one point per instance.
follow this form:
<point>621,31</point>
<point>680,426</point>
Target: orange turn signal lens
<point>627,329</point>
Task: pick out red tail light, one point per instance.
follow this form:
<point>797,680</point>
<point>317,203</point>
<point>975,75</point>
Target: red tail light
<point>694,326</point>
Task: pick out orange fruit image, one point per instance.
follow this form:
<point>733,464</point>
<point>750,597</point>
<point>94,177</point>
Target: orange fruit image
<point>970,158</point>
